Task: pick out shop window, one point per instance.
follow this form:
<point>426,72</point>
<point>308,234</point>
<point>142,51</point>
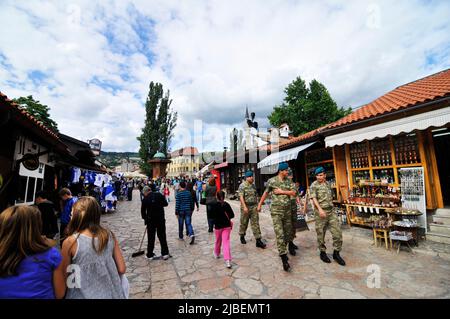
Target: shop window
<point>39,184</point>
<point>385,176</point>
<point>406,149</point>
<point>22,189</point>
<point>359,155</point>
<point>380,153</point>
<point>361,176</point>
<point>30,189</point>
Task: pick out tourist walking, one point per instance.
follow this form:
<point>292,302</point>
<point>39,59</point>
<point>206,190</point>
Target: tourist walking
<point>184,206</point>
<point>29,267</point>
<point>211,191</point>
<point>152,211</point>
<point>199,189</point>
<point>222,213</point>
<point>48,214</point>
<point>167,193</point>
<point>66,213</point>
<point>95,253</point>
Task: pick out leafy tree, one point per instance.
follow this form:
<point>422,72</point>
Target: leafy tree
<point>160,121</point>
<point>38,111</point>
<point>306,108</point>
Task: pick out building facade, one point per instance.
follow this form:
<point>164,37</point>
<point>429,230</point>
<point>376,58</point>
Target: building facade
<point>184,162</point>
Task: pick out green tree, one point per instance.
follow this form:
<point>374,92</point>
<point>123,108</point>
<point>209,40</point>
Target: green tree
<point>160,121</point>
<point>306,108</point>
<point>38,111</point>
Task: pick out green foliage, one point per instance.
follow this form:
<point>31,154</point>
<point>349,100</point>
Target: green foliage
<point>306,108</point>
<point>113,159</point>
<point>38,111</point>
<point>160,121</point>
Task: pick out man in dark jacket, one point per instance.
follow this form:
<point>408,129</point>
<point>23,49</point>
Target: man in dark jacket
<point>152,211</point>
<point>48,215</point>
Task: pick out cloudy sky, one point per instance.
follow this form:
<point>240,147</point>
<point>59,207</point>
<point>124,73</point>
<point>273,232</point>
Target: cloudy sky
<point>92,61</point>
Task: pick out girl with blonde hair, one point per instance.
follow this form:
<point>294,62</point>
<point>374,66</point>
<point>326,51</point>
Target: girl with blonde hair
<point>29,266</point>
<point>94,254</point>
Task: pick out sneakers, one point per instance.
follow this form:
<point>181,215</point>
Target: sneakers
<point>243,241</point>
<point>192,240</point>
<point>228,264</point>
<point>180,239</point>
<point>338,258</point>
<point>324,257</point>
<point>165,257</point>
<point>216,256</point>
<point>151,257</point>
<point>260,243</point>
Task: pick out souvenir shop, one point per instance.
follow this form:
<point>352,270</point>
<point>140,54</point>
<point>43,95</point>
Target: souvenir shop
<point>392,176</point>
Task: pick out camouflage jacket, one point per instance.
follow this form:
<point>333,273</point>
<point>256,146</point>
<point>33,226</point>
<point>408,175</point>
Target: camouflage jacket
<point>286,185</point>
<point>248,191</point>
<point>322,192</point>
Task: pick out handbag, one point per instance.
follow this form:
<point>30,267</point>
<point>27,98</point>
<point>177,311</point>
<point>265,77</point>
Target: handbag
<point>203,199</point>
<point>231,222</point>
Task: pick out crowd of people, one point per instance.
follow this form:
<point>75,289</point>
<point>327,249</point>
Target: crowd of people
<point>90,263</point>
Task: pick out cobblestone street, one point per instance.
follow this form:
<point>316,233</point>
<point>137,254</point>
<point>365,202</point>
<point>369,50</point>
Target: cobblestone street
<point>193,272</point>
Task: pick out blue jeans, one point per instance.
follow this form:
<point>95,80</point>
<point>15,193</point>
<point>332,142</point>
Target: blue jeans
<point>199,196</point>
<point>185,217</point>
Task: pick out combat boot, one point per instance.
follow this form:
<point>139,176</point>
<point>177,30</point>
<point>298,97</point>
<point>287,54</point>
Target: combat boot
<point>338,258</point>
<point>260,243</point>
<point>324,257</point>
<point>284,259</point>
<point>294,245</point>
<point>243,241</point>
<point>291,248</point>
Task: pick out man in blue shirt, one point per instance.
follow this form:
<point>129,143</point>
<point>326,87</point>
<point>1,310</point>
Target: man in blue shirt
<point>68,200</point>
<point>184,206</point>
<point>199,185</point>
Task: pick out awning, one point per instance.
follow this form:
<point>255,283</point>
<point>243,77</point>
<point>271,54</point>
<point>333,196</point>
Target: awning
<point>408,124</point>
<point>204,169</point>
<point>221,165</point>
<point>283,156</point>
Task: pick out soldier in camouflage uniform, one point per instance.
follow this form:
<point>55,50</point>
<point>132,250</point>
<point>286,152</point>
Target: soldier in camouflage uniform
<point>280,188</point>
<point>294,202</point>
<point>249,201</point>
<point>320,192</point>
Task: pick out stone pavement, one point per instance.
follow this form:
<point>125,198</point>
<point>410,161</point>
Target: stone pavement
<point>193,272</point>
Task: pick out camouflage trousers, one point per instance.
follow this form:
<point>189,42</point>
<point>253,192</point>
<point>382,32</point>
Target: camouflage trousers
<point>294,219</point>
<point>253,217</point>
<point>330,222</point>
<point>282,225</point>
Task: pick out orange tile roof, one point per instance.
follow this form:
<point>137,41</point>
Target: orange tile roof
<point>420,91</point>
<point>184,151</point>
<point>28,116</point>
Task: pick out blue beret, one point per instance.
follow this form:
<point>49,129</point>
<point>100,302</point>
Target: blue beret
<point>283,166</point>
<point>319,170</point>
<point>248,174</point>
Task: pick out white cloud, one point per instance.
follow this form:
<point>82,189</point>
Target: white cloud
<point>215,57</point>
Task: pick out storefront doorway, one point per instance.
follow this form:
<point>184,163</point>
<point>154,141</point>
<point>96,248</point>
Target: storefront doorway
<point>441,138</point>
